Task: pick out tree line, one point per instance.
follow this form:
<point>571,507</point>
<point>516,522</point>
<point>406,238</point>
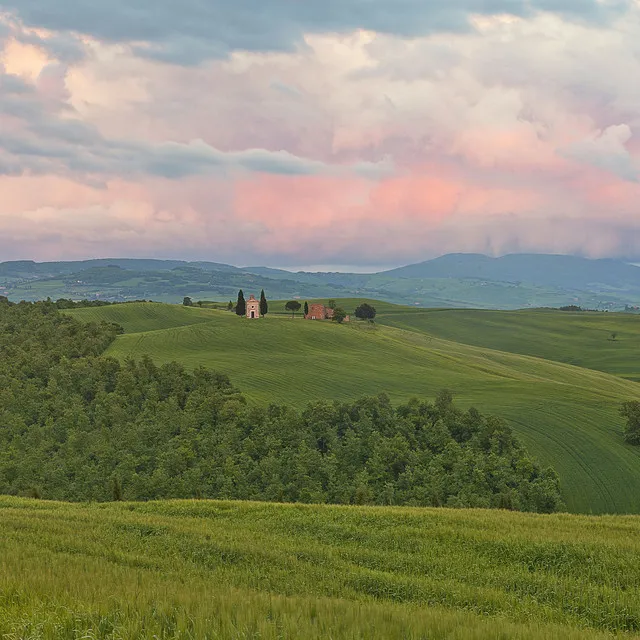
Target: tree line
<point>67,303</point>
<point>75,425</point>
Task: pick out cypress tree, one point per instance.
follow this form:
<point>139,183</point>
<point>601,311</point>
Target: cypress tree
<point>306,308</point>
<point>241,305</point>
<point>264,307</point>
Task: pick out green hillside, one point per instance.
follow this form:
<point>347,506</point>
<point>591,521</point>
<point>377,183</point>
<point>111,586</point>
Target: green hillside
<point>566,416</point>
<point>150,316</point>
<point>580,338</point>
<point>225,570</point>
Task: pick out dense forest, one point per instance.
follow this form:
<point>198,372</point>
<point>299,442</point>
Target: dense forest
<point>75,425</point>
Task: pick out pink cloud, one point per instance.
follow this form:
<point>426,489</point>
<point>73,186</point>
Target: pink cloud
<point>32,192</point>
<point>426,195</point>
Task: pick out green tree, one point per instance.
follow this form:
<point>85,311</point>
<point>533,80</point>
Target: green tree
<point>631,411</point>
<point>444,400</point>
<point>77,425</point>
<point>339,314</point>
<point>241,305</point>
<point>187,301</point>
<point>264,307</point>
<point>116,489</point>
<point>306,308</point>
<point>363,493</point>
<point>331,304</point>
<point>365,312</point>
<point>230,306</point>
<point>293,306</point>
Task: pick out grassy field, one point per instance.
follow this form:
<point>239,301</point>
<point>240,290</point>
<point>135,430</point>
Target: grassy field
<point>151,316</point>
<point>567,416</point>
<point>583,339</point>
<point>200,569</point>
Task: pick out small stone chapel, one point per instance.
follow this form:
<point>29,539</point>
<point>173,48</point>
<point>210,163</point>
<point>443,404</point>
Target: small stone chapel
<point>253,307</point>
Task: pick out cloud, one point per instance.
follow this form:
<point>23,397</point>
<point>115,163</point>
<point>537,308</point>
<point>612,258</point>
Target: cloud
<point>12,85</point>
<point>5,32</point>
<point>65,47</point>
<point>195,30</point>
<point>57,154</point>
<point>606,150</point>
<point>175,160</point>
<point>284,88</point>
<point>50,138</point>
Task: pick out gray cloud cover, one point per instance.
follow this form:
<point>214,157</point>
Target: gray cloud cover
<point>192,31</point>
<point>44,142</point>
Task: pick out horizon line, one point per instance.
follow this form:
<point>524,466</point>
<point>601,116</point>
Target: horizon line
<point>326,268</point>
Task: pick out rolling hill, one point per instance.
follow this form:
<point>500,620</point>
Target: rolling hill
<point>567,416</point>
<point>137,317</point>
<point>607,342</point>
<point>238,570</point>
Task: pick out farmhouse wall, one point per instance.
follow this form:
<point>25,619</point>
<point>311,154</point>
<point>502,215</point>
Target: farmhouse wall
<point>316,312</point>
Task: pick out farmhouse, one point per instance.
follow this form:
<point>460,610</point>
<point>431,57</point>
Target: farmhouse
<point>253,307</point>
<point>318,311</point>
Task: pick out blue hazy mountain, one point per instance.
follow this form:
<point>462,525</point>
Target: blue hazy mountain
<point>569,272</point>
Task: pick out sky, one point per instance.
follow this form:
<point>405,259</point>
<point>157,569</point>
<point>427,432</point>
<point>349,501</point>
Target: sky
<point>319,132</point>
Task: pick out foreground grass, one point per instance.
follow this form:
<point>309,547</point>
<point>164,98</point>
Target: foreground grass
<point>565,415</point>
<point>184,569</point>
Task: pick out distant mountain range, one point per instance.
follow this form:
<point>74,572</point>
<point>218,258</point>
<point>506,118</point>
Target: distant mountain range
<point>454,280</point>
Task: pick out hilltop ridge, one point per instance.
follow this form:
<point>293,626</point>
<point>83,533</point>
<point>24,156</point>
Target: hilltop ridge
<point>455,280</point>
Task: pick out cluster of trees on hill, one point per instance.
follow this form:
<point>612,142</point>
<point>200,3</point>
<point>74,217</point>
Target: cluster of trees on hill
<point>293,306</point>
<point>78,426</point>
<point>365,312</point>
<point>570,307</point>
<point>575,307</point>
<point>631,411</point>
<point>67,303</point>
